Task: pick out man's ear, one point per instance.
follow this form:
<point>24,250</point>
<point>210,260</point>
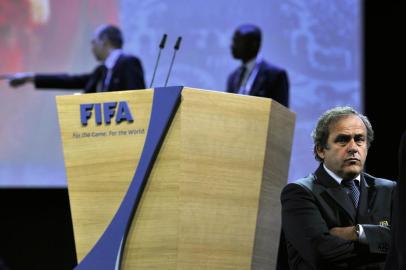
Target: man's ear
<point>320,151</point>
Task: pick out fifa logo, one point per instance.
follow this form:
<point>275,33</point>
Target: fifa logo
<point>105,112</point>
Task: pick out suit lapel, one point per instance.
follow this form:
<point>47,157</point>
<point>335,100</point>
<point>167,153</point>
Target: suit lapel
<point>367,199</point>
<point>114,78</point>
<point>92,84</point>
<point>256,86</point>
<point>336,192</point>
<point>342,199</point>
<point>236,80</point>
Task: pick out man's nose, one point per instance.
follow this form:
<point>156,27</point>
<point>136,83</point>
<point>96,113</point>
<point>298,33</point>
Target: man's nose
<point>352,146</point>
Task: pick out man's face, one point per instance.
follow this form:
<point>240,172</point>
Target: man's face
<point>245,46</point>
<point>346,148</point>
<point>238,47</point>
<point>99,47</point>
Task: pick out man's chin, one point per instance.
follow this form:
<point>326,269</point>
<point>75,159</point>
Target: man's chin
<point>352,172</point>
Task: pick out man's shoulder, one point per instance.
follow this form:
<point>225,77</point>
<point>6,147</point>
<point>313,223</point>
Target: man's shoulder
<point>307,181</point>
<point>267,66</point>
<point>378,182</point>
<point>302,187</point>
<point>128,58</point>
<point>235,71</point>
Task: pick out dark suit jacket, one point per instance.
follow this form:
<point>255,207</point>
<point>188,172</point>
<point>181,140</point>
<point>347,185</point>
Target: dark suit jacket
<point>127,75</point>
<point>313,205</point>
<point>271,82</point>
<point>397,255</point>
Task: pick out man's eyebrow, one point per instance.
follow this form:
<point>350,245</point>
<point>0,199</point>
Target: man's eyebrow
<point>343,135</point>
<point>348,136</point>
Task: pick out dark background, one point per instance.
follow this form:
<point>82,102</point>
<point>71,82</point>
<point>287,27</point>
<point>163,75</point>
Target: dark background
<point>35,225</point>
<point>383,87</point>
<point>36,229</point>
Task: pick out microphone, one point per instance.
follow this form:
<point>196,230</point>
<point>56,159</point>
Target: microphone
<point>161,46</point>
<point>176,47</point>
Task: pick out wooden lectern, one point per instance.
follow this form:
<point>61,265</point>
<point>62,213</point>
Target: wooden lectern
<point>210,188</point>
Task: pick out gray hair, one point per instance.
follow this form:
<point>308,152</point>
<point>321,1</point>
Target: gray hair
<point>322,131</point>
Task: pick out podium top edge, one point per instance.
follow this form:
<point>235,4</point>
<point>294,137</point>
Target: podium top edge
<point>149,90</point>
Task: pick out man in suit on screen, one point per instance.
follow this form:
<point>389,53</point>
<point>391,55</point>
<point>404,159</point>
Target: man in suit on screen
<point>255,77</point>
<point>117,71</point>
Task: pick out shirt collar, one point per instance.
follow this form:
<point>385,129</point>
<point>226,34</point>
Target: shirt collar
<point>338,178</point>
<point>250,65</point>
<point>112,58</point>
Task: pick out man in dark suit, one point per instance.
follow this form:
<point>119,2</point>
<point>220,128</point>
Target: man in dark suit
<point>256,77</point>
<point>117,70</point>
<point>338,217</point>
<point>3,266</point>
<point>397,255</point>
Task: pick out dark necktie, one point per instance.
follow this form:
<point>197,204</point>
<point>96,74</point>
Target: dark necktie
<point>353,191</point>
<point>241,77</point>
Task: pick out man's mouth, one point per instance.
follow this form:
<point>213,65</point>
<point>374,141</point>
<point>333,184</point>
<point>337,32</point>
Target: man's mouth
<point>352,161</point>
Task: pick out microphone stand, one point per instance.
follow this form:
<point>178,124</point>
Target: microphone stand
<point>176,47</point>
<point>161,46</point>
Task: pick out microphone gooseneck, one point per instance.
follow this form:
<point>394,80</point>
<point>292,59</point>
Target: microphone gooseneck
<point>161,47</point>
<point>176,48</point>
